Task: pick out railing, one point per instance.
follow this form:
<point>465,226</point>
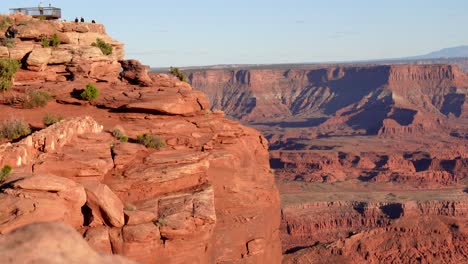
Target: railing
<point>37,12</point>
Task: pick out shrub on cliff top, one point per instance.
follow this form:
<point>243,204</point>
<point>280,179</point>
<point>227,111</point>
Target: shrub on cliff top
<point>5,22</point>
<point>179,74</point>
<point>8,69</point>
<point>53,42</point>
<point>50,119</point>
<point>36,98</point>
<point>9,42</point>
<point>13,129</point>
<point>90,93</point>
<point>106,48</point>
<point>151,141</point>
<point>119,134</point>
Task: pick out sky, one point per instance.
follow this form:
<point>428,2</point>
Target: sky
<point>210,32</point>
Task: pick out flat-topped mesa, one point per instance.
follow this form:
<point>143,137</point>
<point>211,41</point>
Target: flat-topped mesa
<point>74,56</point>
<point>325,222</point>
<point>424,72</point>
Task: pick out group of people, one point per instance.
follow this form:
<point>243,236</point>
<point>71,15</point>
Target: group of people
<point>82,20</point>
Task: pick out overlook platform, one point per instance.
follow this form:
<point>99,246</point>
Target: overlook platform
<point>49,13</point>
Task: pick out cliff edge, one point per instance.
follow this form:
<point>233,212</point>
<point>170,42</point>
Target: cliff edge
<point>201,191</point>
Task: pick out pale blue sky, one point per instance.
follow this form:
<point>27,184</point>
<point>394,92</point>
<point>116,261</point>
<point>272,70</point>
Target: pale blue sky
<point>206,32</point>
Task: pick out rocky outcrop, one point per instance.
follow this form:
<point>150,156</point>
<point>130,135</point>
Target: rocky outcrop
<point>315,116</point>
<point>75,57</point>
<point>305,224</point>
<point>415,169</point>
<point>411,96</point>
<point>51,243</point>
<point>206,196</point>
<point>135,73</point>
<point>423,239</point>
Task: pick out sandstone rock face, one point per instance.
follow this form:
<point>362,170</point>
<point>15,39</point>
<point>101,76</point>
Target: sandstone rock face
<point>321,112</point>
<point>50,243</point>
<point>75,50</point>
<point>324,222</point>
<point>363,155</point>
<point>135,73</point>
<point>208,196</point>
<point>424,239</point>
<point>44,197</point>
<point>105,205</point>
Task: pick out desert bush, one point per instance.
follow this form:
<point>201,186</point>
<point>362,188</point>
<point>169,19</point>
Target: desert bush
<point>90,93</point>
<point>13,129</point>
<point>45,42</point>
<point>53,42</point>
<point>8,69</point>
<point>6,170</point>
<point>5,22</point>
<point>50,119</point>
<point>106,48</point>
<point>179,74</point>
<point>119,134</point>
<point>151,141</point>
<point>36,98</point>
<point>9,42</point>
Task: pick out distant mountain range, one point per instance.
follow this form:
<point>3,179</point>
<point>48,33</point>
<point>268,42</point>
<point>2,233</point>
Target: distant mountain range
<point>455,55</point>
<point>454,52</point>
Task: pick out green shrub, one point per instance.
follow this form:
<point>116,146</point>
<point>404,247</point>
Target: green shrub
<point>53,42</point>
<point>14,129</point>
<point>8,69</point>
<point>119,134</point>
<point>36,98</point>
<point>151,141</point>
<point>6,170</point>
<point>50,119</point>
<point>179,74</point>
<point>9,42</point>
<point>90,93</point>
<point>106,48</point>
<point>5,22</point>
<point>45,42</point>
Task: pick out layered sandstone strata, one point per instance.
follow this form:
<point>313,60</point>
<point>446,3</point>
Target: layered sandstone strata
<point>206,196</point>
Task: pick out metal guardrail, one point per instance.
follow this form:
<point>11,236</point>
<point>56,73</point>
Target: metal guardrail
<point>37,12</point>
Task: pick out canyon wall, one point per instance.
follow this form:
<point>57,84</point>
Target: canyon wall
<point>201,192</point>
<point>371,161</point>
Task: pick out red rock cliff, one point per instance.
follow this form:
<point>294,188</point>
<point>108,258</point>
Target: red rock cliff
<point>206,196</point>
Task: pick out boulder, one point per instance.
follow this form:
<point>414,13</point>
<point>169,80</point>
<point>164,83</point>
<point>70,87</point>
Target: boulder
<point>105,205</point>
<point>98,238</point>
<point>138,217</point>
<point>135,73</point>
<point>29,198</point>
<point>61,55</point>
<point>20,51</point>
<point>38,59</point>
<point>51,243</point>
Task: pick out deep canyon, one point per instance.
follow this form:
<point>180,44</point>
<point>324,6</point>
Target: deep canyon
<point>370,160</point>
<point>321,164</point>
